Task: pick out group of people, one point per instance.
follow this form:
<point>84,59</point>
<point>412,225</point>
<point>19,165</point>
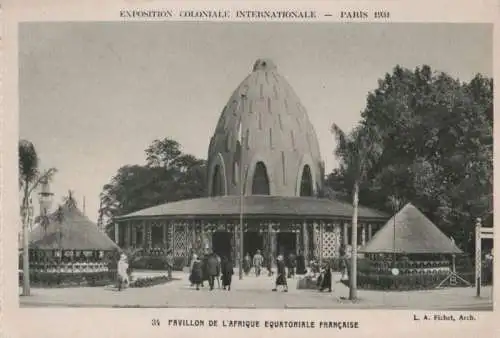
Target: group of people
<point>209,268</point>
<point>256,262</point>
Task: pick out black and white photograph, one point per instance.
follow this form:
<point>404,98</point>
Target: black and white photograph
<point>259,165</point>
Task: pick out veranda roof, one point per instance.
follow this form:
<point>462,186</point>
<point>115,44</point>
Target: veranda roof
<point>414,233</point>
<point>72,231</point>
<point>256,206</point>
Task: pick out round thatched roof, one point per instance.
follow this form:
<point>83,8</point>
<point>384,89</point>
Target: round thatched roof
<point>69,229</point>
<point>410,232</point>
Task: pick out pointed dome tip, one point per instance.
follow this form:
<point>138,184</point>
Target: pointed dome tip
<point>264,64</point>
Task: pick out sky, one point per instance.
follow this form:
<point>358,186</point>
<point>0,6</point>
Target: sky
<point>93,96</point>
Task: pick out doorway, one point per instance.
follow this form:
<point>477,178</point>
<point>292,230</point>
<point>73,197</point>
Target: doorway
<point>286,243</point>
<point>252,241</point>
<point>221,243</point>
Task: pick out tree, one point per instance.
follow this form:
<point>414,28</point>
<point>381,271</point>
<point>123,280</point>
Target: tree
<point>169,175</point>
<point>358,152</point>
<point>29,179</point>
<point>437,136</point>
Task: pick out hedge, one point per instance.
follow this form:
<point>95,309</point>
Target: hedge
<point>149,281</point>
<point>46,279</point>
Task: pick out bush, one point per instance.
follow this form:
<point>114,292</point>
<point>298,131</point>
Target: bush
<point>149,281</point>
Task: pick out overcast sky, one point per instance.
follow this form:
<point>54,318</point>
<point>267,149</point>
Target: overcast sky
<point>93,96</point>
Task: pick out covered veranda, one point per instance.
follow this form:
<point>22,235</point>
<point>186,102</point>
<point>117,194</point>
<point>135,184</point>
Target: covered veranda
<point>275,225</point>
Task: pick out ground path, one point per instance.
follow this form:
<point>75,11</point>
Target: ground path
<point>255,292</point>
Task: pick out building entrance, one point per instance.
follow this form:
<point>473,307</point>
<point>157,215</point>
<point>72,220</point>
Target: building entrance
<point>221,243</point>
<point>286,243</point>
<point>252,241</point>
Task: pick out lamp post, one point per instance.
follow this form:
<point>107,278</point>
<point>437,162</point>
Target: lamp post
<point>45,197</point>
<point>242,184</point>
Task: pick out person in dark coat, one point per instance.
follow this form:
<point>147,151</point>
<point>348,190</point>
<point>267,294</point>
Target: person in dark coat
<point>326,278</point>
<point>343,263</point>
<point>227,273</point>
<point>196,276</point>
<point>292,264</point>
<point>204,269</point>
<point>301,264</point>
<point>169,263</point>
<point>247,264</point>
<point>212,269</point>
<point>281,275</point>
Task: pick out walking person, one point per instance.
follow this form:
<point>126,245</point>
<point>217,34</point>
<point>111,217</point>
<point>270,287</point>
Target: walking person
<point>169,262</point>
<point>281,275</point>
<point>258,260</point>
<point>292,263</point>
<point>247,264</point>
<point>194,257</point>
<point>213,269</point>
<point>204,269</point>
<point>227,272</point>
<point>196,276</point>
<point>219,264</point>
<point>122,269</point>
<point>343,263</point>
<point>326,278</point>
<point>269,264</point>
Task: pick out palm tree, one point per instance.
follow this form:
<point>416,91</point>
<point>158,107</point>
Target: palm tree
<point>358,152</point>
<point>29,179</point>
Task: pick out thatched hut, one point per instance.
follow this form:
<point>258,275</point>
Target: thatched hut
<point>66,246</point>
<point>408,252</point>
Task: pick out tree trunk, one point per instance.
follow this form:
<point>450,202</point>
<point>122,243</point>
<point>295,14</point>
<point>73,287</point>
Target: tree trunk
<point>26,260</point>
<point>354,243</point>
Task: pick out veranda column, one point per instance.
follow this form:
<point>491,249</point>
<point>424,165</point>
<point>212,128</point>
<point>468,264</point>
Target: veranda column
<point>127,234</point>
<point>144,235</point>
<point>172,236</point>
<point>133,228</point>
<point>345,235</point>
<point>149,226</point>
<point>305,236</point>
<point>321,235</point>
<point>297,238</point>
<point>363,234</point>
<point>369,232</point>
<point>117,234</point>
<point>164,236</point>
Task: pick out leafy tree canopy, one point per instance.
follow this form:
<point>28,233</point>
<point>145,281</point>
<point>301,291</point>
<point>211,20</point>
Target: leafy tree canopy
<point>169,175</point>
<point>437,139</point>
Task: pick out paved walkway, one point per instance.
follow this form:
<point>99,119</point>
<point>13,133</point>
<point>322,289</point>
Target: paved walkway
<point>255,292</point>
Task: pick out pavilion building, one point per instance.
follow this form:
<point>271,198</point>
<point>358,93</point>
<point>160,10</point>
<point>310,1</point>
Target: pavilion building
<point>265,172</point>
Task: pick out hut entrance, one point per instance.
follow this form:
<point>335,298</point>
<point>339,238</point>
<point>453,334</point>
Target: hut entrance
<point>252,241</point>
<point>221,243</point>
<point>286,243</point>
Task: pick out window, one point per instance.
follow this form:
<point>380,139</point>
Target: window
<point>260,120</point>
<point>293,139</point>
<point>247,139</point>
<point>271,138</point>
<point>269,105</point>
<point>239,131</point>
<point>236,172</point>
<point>283,165</point>
<point>261,91</point>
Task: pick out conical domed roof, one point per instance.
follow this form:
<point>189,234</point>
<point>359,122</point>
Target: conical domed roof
<point>69,229</point>
<point>264,122</point>
<point>413,232</point>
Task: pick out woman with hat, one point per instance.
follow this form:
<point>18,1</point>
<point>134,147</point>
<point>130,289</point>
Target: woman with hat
<point>281,275</point>
<point>122,272</point>
<point>195,276</point>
